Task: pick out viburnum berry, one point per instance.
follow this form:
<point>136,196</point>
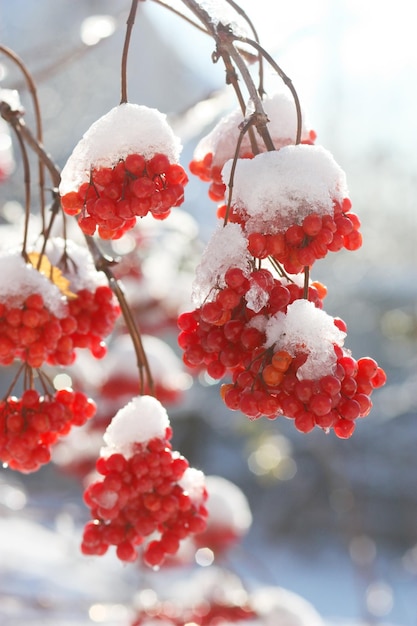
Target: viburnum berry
<point>32,424</point>
<point>146,489</point>
<point>112,178</point>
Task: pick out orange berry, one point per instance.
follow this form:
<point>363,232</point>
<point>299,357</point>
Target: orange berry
<point>272,376</point>
<point>281,361</point>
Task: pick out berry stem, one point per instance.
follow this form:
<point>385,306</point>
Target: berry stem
<point>245,127</point>
<point>14,381</point>
<point>26,179</point>
<point>38,121</point>
<point>242,13</point>
<point>103,264</point>
<point>287,81</point>
<point>306,281</point>
<point>130,23</point>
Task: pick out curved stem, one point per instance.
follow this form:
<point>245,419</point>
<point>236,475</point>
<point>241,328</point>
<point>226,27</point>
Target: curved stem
<point>245,127</point>
<point>130,22</point>
<point>103,264</point>
<point>287,81</point>
<point>242,13</point>
<point>14,381</point>
<point>262,119</point>
<point>19,125</point>
<point>26,178</point>
<point>38,120</point>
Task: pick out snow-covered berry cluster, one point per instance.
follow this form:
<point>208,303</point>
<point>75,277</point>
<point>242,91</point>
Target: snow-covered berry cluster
<point>43,319</point>
<point>124,167</point>
<point>293,206</point>
<point>30,425</point>
<point>216,148</point>
<point>285,355</point>
<point>148,494</point>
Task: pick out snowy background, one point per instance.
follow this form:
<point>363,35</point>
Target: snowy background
<point>334,521</point>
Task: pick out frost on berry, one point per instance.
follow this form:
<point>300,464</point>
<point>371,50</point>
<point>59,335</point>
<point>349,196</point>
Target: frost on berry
<point>124,167</point>
<point>149,495</point>
<point>216,148</point>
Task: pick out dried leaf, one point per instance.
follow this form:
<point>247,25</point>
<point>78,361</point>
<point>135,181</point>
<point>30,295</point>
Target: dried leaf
<point>54,274</point>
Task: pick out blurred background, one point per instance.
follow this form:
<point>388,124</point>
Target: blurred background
<point>334,521</point>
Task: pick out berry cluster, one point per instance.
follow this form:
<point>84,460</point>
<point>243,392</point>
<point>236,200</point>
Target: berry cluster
<point>124,167</point>
<point>271,386</point>
<point>45,315</point>
<point>143,493</point>
<point>224,332</point>
<point>284,353</point>
<point>115,196</point>
<point>95,313</point>
<point>218,146</point>
<point>30,425</point>
<point>300,245</point>
<point>296,210</point>
<point>32,333</point>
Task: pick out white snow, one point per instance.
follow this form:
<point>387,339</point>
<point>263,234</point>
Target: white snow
<point>305,328</point>
<point>276,605</point>
<point>221,12</point>
<point>18,280</point>
<point>7,162</point>
<point>282,126</point>
<point>193,482</point>
<point>226,248</point>
<point>11,96</point>
<point>256,297</point>
<point>125,129</point>
<point>227,505</point>
<point>80,269</point>
<point>142,419</point>
<point>279,188</point>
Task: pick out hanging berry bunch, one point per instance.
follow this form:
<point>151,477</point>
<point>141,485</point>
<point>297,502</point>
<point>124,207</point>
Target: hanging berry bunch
<point>219,146</point>
<point>148,494</point>
<point>124,167</point>
<point>285,355</point>
<point>293,205</point>
<point>31,424</point>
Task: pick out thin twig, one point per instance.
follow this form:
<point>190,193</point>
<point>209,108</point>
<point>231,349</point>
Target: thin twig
<point>38,120</point>
<point>130,22</point>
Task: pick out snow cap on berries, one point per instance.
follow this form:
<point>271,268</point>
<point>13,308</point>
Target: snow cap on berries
<point>280,188</point>
<point>142,419</point>
<point>282,127</point>
<point>193,482</point>
<point>227,248</point>
<point>306,329</point>
<point>125,129</point>
<point>18,280</point>
<point>80,269</point>
<point>227,505</point>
